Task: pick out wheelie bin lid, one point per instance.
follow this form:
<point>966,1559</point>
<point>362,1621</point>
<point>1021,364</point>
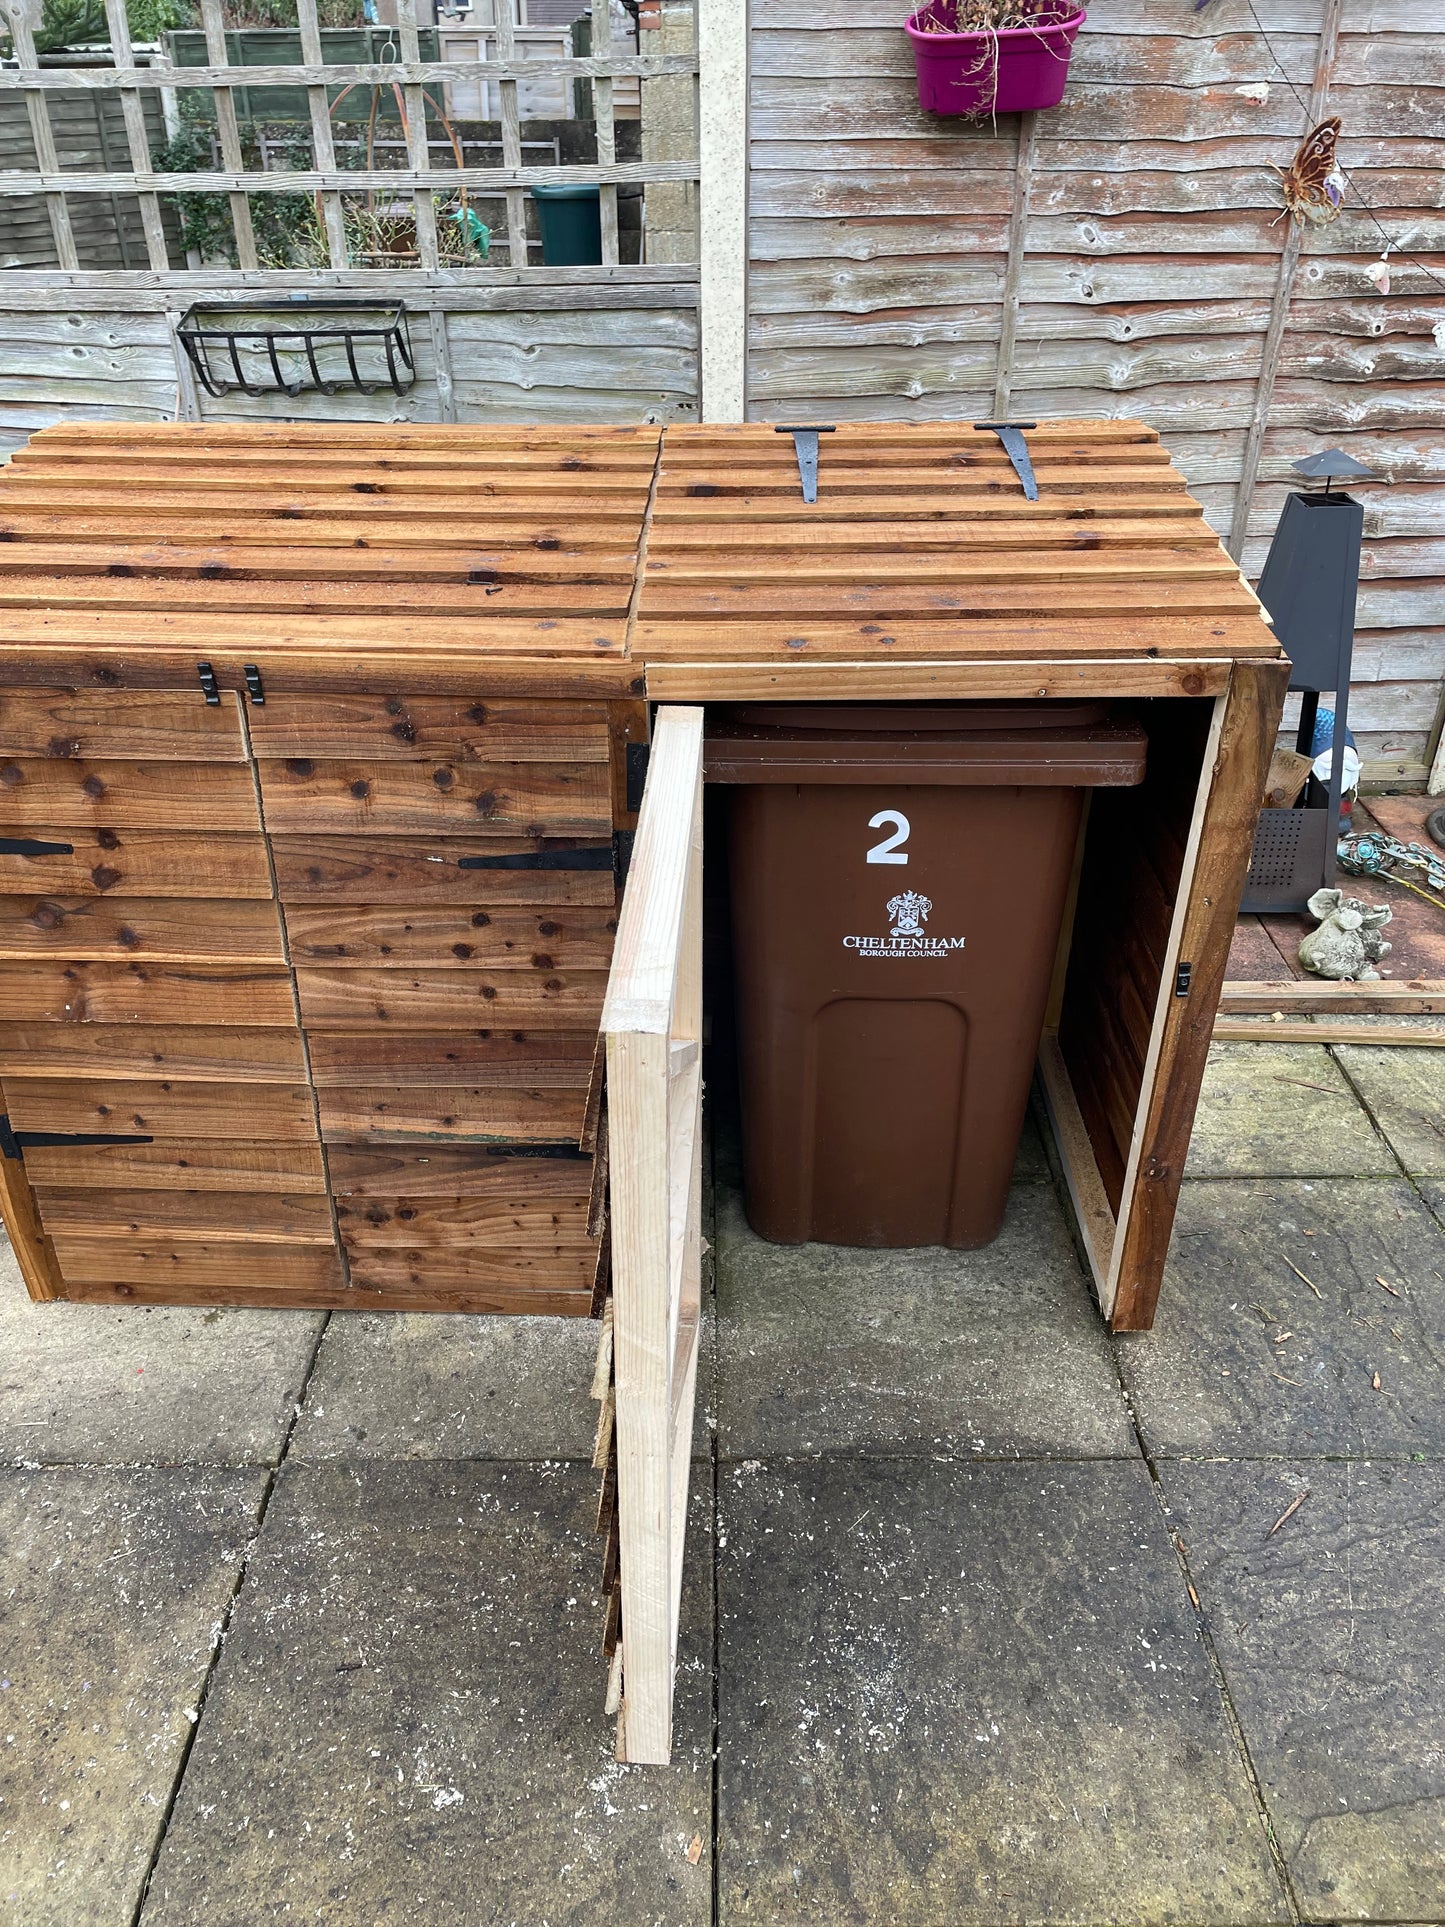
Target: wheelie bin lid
<point>1053,744</point>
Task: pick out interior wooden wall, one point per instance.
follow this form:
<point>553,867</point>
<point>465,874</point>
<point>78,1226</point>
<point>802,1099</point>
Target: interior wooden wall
<point>1140,256</point>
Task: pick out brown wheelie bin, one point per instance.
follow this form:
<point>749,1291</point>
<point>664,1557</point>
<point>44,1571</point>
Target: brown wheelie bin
<point>899,878</point>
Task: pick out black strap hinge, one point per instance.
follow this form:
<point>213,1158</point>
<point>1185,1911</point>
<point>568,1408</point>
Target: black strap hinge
<point>638,757</point>
<point>33,846</point>
<point>1015,447</point>
<point>597,858</point>
<point>14,1144</point>
<point>805,447</point>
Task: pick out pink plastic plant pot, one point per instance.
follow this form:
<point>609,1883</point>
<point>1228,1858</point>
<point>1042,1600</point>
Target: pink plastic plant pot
<point>993,73</point>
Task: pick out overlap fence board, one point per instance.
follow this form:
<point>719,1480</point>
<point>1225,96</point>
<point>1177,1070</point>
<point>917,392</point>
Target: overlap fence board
<point>1150,271</point>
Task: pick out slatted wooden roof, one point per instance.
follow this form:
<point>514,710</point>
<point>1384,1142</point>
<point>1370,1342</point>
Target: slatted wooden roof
<point>521,546</point>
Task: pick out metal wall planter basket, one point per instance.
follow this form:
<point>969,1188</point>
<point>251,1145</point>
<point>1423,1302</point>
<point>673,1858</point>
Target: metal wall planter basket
<point>294,348</point>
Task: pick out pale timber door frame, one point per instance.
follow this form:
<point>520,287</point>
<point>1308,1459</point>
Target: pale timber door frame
<point>652,1021</point>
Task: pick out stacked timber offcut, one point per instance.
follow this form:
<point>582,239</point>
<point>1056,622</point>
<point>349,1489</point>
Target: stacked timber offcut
<point>313,747</point>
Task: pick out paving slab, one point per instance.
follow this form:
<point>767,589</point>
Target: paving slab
<point>953,1694</point>
<point>407,1723</point>
<point>826,1348</point>
<point>113,1583</point>
<point>1282,1110</point>
<point>138,1385</point>
<point>1250,1359</point>
<point>1406,1091</point>
<point>405,1385</point>
<point>1331,1632</point>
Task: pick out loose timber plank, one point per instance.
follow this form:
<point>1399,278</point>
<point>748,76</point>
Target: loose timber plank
<point>157,930</point>
<point>495,938</point>
<point>1296,996</point>
<point>1240,1030</point>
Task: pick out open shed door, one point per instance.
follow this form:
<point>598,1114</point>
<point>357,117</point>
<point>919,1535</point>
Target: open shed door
<point>647,1360</point>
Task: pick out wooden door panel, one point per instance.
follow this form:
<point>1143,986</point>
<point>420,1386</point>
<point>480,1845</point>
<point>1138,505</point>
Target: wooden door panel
<point>148,929</point>
<point>288,1168</point>
<point>540,1060</point>
<point>505,1116</point>
<point>434,999</point>
<point>445,1171</point>
<point>424,798</point>
<point>268,1112</point>
<point>496,1223</point>
<point>132,993</point>
<point>232,1053</point>
<point>138,1217</point>
<point>84,724</point>
<point>453,936</point>
<point>122,795</point>
<point>134,863</point>
<point>451,729</point>
<point>384,870</point>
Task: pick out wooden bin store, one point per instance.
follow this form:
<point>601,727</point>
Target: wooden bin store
<point>332,856</point>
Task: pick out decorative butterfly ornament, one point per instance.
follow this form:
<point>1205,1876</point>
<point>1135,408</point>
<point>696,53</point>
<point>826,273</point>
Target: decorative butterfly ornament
<point>1312,184</point>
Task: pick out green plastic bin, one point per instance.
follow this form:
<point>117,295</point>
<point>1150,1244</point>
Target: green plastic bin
<point>571,222</point>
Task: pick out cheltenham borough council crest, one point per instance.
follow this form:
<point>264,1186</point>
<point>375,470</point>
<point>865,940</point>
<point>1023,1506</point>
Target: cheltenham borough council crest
<point>907,912</point>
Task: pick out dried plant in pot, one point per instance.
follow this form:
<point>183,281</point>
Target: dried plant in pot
<point>986,57</point>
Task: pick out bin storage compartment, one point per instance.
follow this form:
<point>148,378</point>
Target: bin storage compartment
<point>899,878</point>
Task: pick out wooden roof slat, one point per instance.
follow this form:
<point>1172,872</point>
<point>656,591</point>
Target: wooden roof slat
<point>225,528</point>
<point>169,561</point>
<point>1021,637</point>
<point>1167,564</point>
<point>513,552</point>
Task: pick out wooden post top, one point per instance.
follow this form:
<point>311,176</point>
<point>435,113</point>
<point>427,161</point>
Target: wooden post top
<point>678,562</point>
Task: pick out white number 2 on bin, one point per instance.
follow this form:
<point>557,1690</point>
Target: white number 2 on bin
<point>891,849</point>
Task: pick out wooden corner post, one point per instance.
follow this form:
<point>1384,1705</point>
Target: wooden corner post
<point>652,1021</point>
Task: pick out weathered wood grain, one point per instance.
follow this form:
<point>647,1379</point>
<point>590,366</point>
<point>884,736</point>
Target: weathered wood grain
<point>194,1270</point>
<point>342,869</point>
<point>162,1108</point>
<point>481,939</point>
<point>489,1114</point>
<point>497,1224</point>
<point>137,863</point>
<point>91,725</point>
<point>138,1217</point>
<point>449,1171</point>
<point>147,929</point>
<point>269,1168</point>
<point>229,1053</point>
<point>440,999</point>
<point>419,797</point>
<point>536,1060</point>
<point>133,993</point>
<point>403,727</point>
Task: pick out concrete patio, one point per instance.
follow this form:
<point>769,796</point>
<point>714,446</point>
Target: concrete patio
<point>989,1618</point>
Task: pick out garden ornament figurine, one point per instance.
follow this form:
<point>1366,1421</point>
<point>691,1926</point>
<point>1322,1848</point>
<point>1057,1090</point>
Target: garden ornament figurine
<point>1348,943</point>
